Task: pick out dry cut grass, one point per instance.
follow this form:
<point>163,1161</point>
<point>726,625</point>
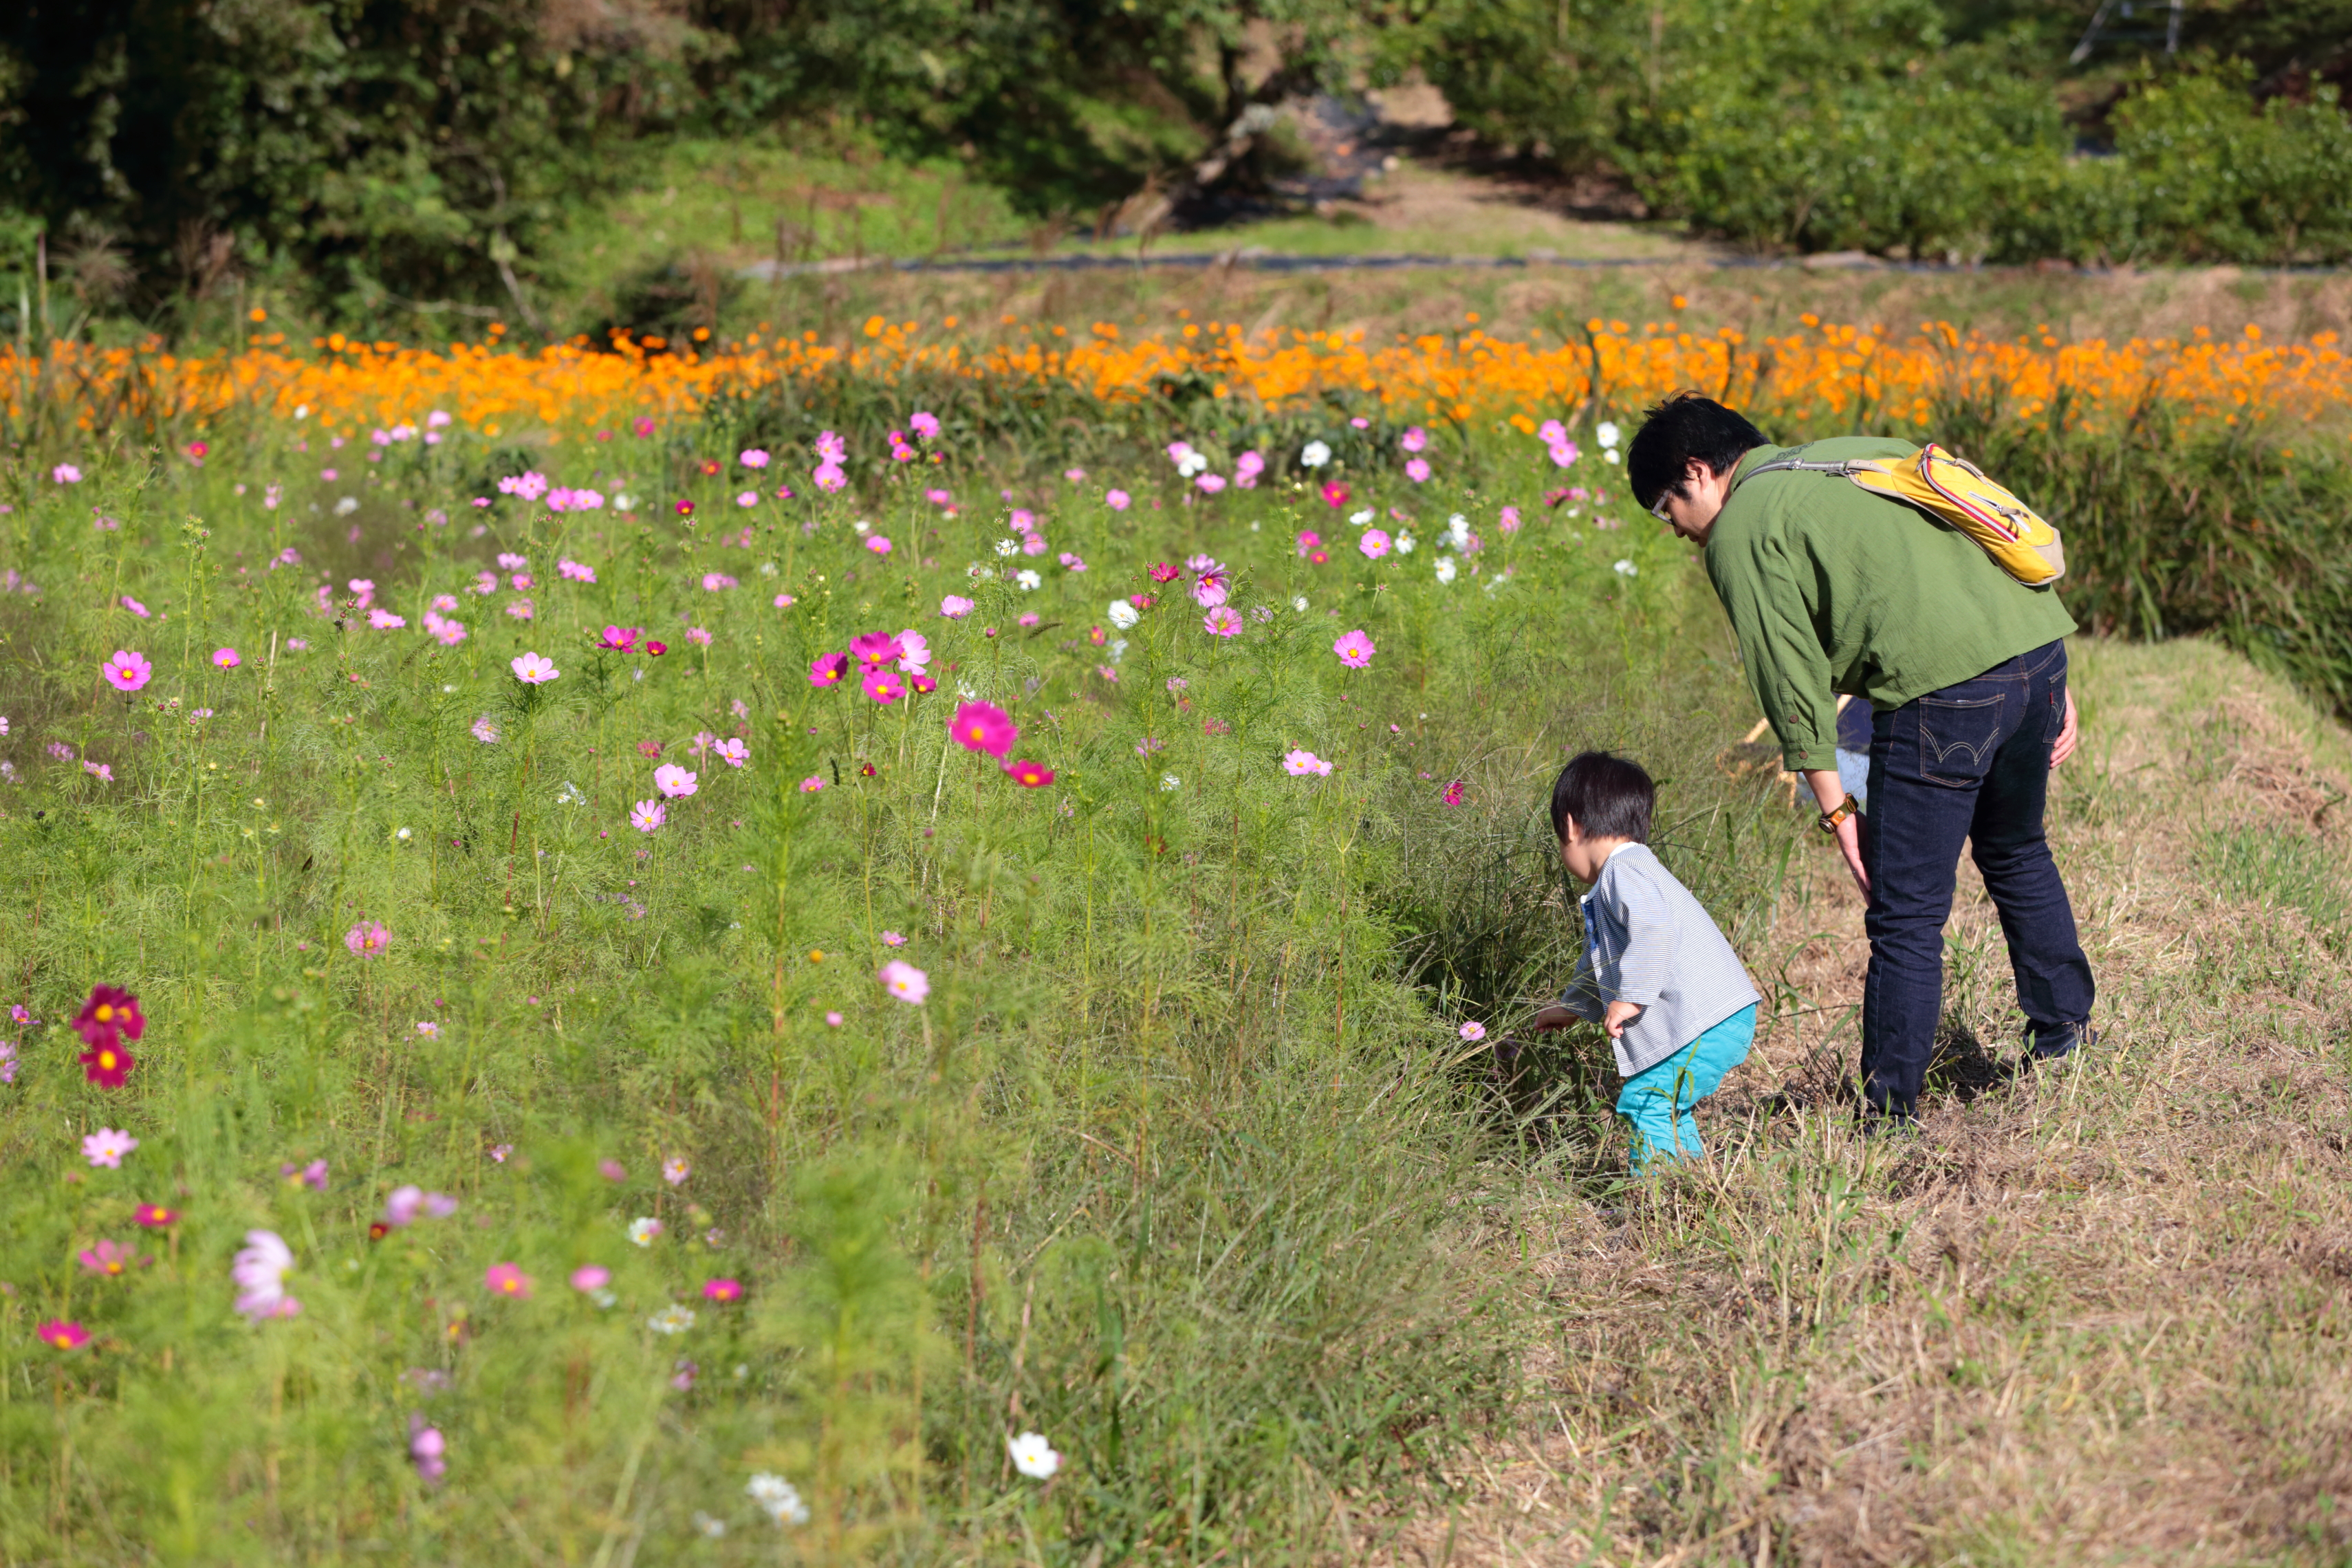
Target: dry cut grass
<point>2099,1314</point>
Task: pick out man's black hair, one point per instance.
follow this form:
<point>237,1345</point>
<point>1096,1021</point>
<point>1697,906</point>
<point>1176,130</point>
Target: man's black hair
<point>1683,426</point>
<point>1610,797</point>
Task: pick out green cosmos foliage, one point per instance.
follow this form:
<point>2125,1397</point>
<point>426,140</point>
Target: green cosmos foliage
<point>1181,1162</point>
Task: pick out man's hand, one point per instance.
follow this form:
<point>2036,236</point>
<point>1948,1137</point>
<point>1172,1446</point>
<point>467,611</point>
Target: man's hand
<point>1830,795</point>
<point>2063,746</point>
<point>1619,1013</point>
<point>1553,1017</point>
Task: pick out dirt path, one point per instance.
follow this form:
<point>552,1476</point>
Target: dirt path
<point>2100,1315</point>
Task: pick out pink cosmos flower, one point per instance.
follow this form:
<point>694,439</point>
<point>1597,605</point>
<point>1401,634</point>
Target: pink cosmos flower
<point>674,1170</point>
<point>748,498</point>
<point>955,607</point>
<point>106,1148</point>
<point>1417,470</point>
<point>1209,484</point>
<point>1307,541</point>
<point>827,669</point>
<point>981,727</point>
<point>1472,1031</point>
<point>674,781</point>
<point>1453,792</point>
<point>926,425</point>
<point>752,458</point>
<point>1510,520</point>
<point>1072,562</point>
<point>940,498</point>
<point>648,815</point>
<point>1209,592</point>
<point>506,1279</point>
<point>445,632</point>
<point>831,448</point>
<point>484,584</point>
<point>589,1278</point>
<point>367,939</point>
<point>1247,467</point>
<point>1551,431</point>
<point>892,939</point>
<point>58,1333</point>
<point>575,571</point>
<point>403,1205</point>
<point>127,671</point>
<point>698,636</point>
<point>830,478</point>
<point>383,620</point>
<point>904,981</point>
<point>784,600</point>
<point>877,543</point>
<point>226,659</point>
<point>1564,454</point>
<point>65,474</point>
<point>812,783</point>
<point>1355,649</point>
<point>722,1290</point>
<point>733,752</point>
<point>914,652</point>
<point>485,731</point>
<point>1033,544</point>
<point>885,686</point>
<point>1375,542</point>
<point>111,1258</point>
<point>1222,622</point>
<point>102,771</point>
<point>620,640</point>
<point>874,649</point>
<point>532,669</point>
<point>135,607</point>
<point>427,1450</point>
<point>714,582</point>
<point>1300,764</point>
<point>1413,440</point>
<point>1118,500</point>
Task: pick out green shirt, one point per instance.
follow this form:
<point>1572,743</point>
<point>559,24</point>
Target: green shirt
<point>1832,589</point>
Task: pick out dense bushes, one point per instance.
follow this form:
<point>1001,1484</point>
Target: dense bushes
<point>1814,126</point>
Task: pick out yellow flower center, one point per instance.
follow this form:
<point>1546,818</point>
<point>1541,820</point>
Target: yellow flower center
<point>106,1061</point>
<point>105,1012</point>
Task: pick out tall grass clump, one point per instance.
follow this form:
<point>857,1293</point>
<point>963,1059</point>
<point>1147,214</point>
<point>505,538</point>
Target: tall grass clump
<point>1037,1012</point>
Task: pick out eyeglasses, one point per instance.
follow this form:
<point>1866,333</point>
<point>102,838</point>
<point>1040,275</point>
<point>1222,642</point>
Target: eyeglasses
<point>1659,510</point>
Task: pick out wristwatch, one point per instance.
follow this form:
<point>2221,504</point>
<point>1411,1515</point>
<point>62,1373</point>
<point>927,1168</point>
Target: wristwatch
<point>1829,819</point>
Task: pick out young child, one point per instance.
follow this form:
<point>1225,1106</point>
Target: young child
<point>1655,972</point>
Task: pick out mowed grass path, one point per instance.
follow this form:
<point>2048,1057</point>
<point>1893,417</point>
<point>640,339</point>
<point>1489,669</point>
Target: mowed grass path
<point>2100,1315</point>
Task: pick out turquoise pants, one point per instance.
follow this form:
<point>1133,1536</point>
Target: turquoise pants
<point>1657,1100</point>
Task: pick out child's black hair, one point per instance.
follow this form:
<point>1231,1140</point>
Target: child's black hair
<point>1610,797</point>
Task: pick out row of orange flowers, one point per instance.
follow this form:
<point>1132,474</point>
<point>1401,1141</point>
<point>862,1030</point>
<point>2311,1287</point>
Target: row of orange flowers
<point>1820,369</point>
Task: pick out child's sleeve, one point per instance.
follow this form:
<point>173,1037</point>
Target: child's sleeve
<point>1650,931</point>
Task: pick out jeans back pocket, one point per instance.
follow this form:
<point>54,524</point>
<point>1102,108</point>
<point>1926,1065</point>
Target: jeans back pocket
<point>1958,737</point>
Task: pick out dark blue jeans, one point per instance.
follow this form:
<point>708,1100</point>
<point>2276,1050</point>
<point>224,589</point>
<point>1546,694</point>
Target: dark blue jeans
<point>1969,763</point>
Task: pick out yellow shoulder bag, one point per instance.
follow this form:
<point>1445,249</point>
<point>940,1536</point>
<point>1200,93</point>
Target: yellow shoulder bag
<point>2020,541</point>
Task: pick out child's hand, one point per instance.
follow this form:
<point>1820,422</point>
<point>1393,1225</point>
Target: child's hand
<point>1619,1013</point>
<point>1553,1017</point>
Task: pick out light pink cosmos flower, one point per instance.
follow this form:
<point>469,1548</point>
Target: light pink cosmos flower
<point>532,669</point>
<point>1472,1031</point>
<point>1564,454</point>
<point>831,448</point>
<point>830,478</point>
<point>383,620</point>
<point>648,815</point>
<point>403,1205</point>
<point>1300,764</point>
<point>1072,562</point>
<point>892,939</point>
<point>877,543</point>
<point>444,630</point>
<point>1375,543</point>
<point>589,1277</point>
<point>1209,592</point>
<point>259,1271</point>
<point>914,652</point>
<point>1413,440</point>
<point>127,671</point>
<point>1551,431</point>
<point>65,474</point>
<point>674,1170</point>
<point>1510,520</point>
<point>102,771</point>
<point>1247,467</point>
<point>904,981</point>
<point>427,1450</point>
<point>812,783</point>
<point>752,458</point>
<point>1417,469</point>
<point>926,425</point>
<point>367,939</point>
<point>733,752</point>
<point>672,780</point>
<point>698,636</point>
<point>1209,484</point>
<point>226,659</point>
<point>572,571</point>
<point>507,1279</point>
<point>1355,649</point>
<point>1118,500</point>
<point>955,607</point>
<point>106,1148</point>
<point>748,498</point>
<point>484,584</point>
<point>485,731</point>
<point>1222,622</point>
<point>135,607</point>
<point>713,582</point>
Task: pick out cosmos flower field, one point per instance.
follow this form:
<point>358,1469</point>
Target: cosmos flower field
<point>723,990</point>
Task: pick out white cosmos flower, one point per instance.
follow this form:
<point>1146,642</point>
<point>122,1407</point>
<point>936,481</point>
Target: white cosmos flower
<point>1170,782</point>
<point>1627,569</point>
<point>1404,544</point>
<point>1299,603</point>
<point>1609,454</point>
<point>671,1320</point>
<point>1191,463</point>
<point>778,1499</point>
<point>1118,650</point>
<point>642,1229</point>
<point>1122,614</point>
<point>1446,569</point>
<point>1032,1456</point>
<point>1457,530</point>
<point>1314,455</point>
<point>1008,547</point>
<point>1361,518</point>
<point>1029,581</point>
<point>1607,431</point>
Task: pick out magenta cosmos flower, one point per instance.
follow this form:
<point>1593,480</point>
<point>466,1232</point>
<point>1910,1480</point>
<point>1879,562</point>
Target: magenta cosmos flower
<point>904,981</point>
<point>1225,620</point>
<point>127,671</point>
<point>722,1289</point>
<point>981,727</point>
<point>874,649</point>
<point>506,1279</point>
<point>674,781</point>
<point>58,1333</point>
<point>885,686</point>
<point>367,939</point>
<point>827,669</point>
<point>1355,649</point>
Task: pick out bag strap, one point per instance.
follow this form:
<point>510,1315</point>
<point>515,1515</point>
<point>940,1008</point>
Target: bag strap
<point>1796,465</point>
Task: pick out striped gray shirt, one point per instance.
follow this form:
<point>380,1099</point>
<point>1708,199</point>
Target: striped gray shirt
<point>1648,942</point>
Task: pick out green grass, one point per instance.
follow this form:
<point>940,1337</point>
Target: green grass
<point>1176,1165</point>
